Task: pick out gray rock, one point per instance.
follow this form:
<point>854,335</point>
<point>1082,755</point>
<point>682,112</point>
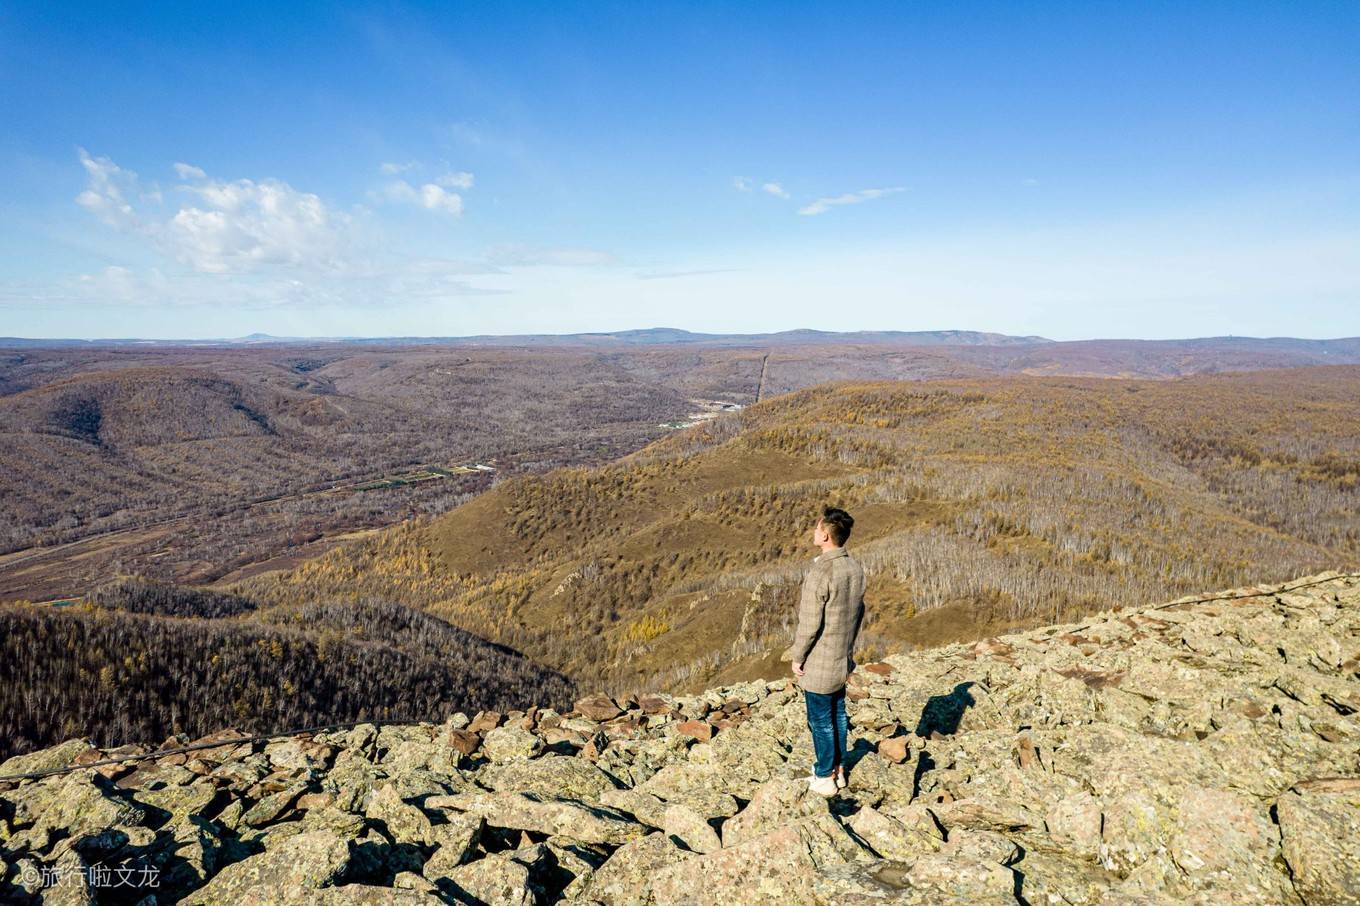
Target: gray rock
<point>1320,826</point>
<point>625,879</point>
<point>894,839</point>
<point>549,775</point>
<point>1074,824</point>
<point>505,879</point>
<point>690,828</point>
<point>291,872</point>
<point>405,823</point>
<point>571,817</point>
<point>455,842</point>
<point>509,743</point>
<point>778,866</point>
<point>776,803</point>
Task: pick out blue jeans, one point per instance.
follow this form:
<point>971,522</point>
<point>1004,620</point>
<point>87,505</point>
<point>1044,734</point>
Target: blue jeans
<point>830,729</point>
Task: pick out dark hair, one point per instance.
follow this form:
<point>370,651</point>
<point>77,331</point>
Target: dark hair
<point>838,524</point>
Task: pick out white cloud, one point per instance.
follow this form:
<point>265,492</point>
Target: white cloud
<point>121,284</point>
<point>430,196</point>
<point>228,227</point>
<point>741,183</point>
<point>261,243</point>
<point>822,205</point>
<point>775,189</point>
<point>452,179</point>
<point>460,180</point>
<point>531,256</point>
<point>245,223</point>
<point>106,192</point>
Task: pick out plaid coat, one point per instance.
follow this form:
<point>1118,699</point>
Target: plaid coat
<point>829,614</point>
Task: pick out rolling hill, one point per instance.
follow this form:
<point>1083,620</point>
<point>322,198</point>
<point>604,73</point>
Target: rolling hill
<point>212,461</point>
<point>981,505</point>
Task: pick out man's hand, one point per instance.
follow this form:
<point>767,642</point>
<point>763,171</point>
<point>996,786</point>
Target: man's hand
<point>797,669</point>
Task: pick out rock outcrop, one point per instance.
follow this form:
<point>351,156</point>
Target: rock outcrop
<point>1202,751</point>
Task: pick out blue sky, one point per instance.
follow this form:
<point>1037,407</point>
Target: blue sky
<point>1071,170</point>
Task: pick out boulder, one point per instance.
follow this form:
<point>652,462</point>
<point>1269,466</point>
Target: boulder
<point>483,721</point>
<point>455,843</point>
<point>1320,827</point>
<point>625,879</point>
<point>290,872</point>
<point>464,742</point>
<point>775,867</point>
<point>523,811</point>
<point>549,775</point>
<point>50,759</point>
<point>776,803</point>
<point>1074,824</point>
<point>510,743</point>
<point>701,730</point>
<point>895,839</point>
<point>895,749</point>
<point>405,823</point>
<point>690,828</point>
<point>598,708</point>
<point>504,879</point>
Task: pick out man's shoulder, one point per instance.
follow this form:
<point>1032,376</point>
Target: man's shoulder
<point>849,562</point>
<point>817,570</point>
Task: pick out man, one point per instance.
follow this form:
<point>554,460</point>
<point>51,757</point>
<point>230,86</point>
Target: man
<point>829,615</point>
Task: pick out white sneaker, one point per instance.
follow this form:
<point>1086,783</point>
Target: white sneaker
<point>840,779</point>
<point>822,786</point>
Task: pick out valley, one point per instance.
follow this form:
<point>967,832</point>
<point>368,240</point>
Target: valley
<point>627,519</point>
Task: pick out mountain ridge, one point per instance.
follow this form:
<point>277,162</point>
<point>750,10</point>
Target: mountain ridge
<point>679,336</point>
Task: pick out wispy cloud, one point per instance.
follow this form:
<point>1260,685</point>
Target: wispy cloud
<point>822,205</point>
<point>775,189</point>
<point>433,194</point>
<point>430,196</point>
<point>675,275</point>
<point>741,184</point>
<point>107,190</point>
<point>532,256</point>
<point>460,180</point>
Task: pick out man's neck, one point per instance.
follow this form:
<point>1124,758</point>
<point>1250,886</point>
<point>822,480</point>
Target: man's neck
<point>829,546</point>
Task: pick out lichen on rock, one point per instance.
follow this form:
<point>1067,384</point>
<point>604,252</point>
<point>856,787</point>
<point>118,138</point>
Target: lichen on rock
<point>1202,751</point>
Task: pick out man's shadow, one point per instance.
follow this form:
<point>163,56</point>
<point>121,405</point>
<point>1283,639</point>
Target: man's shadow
<point>942,714</point>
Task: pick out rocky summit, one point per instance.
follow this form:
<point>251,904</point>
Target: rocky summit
<point>1201,751</point>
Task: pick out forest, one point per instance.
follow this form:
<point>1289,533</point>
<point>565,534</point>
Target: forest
<point>981,505</point>
<point>130,674</point>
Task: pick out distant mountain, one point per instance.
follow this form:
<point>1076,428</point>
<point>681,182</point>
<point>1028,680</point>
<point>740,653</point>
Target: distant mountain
<point>651,336</point>
<point>1344,350</point>
<point>657,336</point>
